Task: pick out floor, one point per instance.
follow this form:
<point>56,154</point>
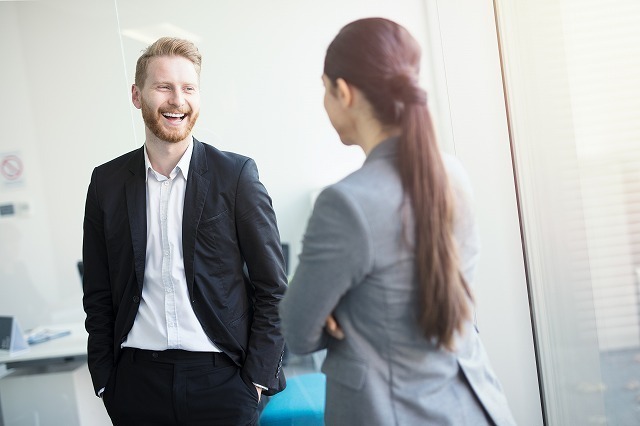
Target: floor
<point>301,364</point>
<point>621,376</point>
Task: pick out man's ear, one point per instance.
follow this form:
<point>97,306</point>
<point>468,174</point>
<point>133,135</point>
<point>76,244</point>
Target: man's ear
<point>344,92</point>
<point>135,96</point>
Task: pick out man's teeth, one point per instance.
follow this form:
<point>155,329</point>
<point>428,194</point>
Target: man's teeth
<point>172,114</point>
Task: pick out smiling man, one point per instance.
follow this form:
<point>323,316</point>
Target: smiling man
<point>183,268</point>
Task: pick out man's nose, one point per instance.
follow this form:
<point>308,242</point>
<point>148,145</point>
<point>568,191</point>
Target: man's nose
<point>177,98</point>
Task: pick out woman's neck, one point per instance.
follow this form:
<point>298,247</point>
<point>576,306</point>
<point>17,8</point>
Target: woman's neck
<point>372,136</point>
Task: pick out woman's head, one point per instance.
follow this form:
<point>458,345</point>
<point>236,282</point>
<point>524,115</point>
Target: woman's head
<point>382,60</point>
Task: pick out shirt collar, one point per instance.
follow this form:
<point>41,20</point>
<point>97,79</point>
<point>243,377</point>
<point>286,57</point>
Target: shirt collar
<point>181,167</point>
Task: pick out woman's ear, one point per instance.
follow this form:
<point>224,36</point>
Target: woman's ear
<point>344,92</point>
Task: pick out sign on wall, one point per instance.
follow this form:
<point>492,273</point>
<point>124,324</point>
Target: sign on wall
<point>11,169</point>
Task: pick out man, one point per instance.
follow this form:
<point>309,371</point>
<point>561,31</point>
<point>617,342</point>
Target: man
<point>183,266</point>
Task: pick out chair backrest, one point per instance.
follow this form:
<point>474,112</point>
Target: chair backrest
<point>81,269</point>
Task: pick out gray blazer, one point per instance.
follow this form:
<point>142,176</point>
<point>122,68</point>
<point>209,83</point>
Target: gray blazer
<point>356,263</point>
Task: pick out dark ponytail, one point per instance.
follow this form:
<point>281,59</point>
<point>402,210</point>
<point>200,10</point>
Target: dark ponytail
<point>381,59</point>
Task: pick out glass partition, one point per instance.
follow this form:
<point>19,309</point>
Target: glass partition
<point>62,77</point>
<point>571,77</point>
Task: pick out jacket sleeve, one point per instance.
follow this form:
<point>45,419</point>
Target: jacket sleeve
<point>97,291</point>
<point>337,254</point>
<point>259,241</point>
<point>466,227</point>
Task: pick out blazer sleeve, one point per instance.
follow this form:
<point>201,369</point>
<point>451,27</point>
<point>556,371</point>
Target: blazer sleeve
<point>465,227</point>
<point>259,241</point>
<point>97,291</point>
<point>337,254</point>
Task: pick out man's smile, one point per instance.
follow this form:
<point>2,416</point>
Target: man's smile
<point>174,117</point>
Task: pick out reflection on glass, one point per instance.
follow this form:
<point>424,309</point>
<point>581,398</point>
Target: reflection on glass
<point>571,72</point>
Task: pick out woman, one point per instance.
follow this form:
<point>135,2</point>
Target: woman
<point>389,253</point>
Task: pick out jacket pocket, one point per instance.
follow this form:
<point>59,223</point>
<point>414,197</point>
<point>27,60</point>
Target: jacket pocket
<point>346,371</point>
<point>210,221</point>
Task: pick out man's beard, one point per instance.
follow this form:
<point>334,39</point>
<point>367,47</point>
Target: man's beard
<point>153,120</point>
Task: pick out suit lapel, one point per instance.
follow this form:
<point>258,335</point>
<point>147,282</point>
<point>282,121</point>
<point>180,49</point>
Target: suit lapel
<point>136,195</point>
<point>194,199</point>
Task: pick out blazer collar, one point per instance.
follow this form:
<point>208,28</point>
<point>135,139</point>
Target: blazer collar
<point>385,149</point>
<point>136,198</point>
<point>198,158</point>
<point>195,194</point>
<point>198,183</point>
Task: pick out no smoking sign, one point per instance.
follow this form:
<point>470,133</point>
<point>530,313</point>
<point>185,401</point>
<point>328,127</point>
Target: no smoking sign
<point>11,168</point>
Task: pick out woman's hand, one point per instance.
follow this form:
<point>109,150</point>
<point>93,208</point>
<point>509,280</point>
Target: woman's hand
<point>333,328</point>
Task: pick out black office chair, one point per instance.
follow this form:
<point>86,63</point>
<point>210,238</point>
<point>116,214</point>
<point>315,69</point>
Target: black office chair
<point>81,270</point>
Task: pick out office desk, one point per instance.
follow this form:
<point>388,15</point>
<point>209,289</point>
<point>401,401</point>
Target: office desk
<point>72,347</point>
<point>50,384</point>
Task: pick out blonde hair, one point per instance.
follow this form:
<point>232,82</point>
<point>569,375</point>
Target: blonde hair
<point>167,46</point>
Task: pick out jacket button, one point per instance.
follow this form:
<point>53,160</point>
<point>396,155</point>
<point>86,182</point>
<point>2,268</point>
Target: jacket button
<point>136,299</point>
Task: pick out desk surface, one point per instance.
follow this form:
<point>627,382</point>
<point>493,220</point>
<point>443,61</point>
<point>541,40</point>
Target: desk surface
<point>71,346</point>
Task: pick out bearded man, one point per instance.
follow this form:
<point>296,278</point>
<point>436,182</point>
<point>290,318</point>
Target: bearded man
<point>183,267</point>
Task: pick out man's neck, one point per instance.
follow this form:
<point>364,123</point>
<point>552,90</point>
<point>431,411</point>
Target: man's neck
<point>164,156</point>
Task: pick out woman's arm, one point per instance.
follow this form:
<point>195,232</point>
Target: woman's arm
<point>337,253</point>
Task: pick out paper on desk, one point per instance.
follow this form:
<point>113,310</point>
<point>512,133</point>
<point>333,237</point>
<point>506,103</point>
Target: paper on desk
<point>44,335</point>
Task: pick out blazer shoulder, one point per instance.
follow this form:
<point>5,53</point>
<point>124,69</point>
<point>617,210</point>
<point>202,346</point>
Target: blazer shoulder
<point>121,161</point>
<point>374,181</point>
<point>458,176</point>
<point>120,168</point>
<point>224,156</point>
<point>224,159</point>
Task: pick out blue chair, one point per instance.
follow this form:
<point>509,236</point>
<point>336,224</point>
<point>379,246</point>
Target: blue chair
<point>300,404</point>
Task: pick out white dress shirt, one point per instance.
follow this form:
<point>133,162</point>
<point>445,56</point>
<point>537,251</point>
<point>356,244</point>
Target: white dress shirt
<point>165,318</point>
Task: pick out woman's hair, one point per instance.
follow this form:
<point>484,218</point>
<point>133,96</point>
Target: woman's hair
<point>381,59</point>
<point>167,46</point>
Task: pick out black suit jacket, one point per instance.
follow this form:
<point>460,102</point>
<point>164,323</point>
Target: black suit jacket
<point>232,259</point>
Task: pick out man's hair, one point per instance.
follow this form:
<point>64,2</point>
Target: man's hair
<point>167,46</point>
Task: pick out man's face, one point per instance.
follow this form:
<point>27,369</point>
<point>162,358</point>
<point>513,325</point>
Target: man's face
<point>170,98</point>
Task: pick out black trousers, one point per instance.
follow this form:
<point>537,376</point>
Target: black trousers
<point>174,387</point>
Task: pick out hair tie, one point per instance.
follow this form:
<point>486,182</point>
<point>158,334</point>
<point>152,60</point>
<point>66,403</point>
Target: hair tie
<point>405,89</point>
<point>415,95</point>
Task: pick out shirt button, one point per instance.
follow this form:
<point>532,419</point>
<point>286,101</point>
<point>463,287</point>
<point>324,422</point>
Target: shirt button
<point>166,183</point>
<point>136,299</point>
